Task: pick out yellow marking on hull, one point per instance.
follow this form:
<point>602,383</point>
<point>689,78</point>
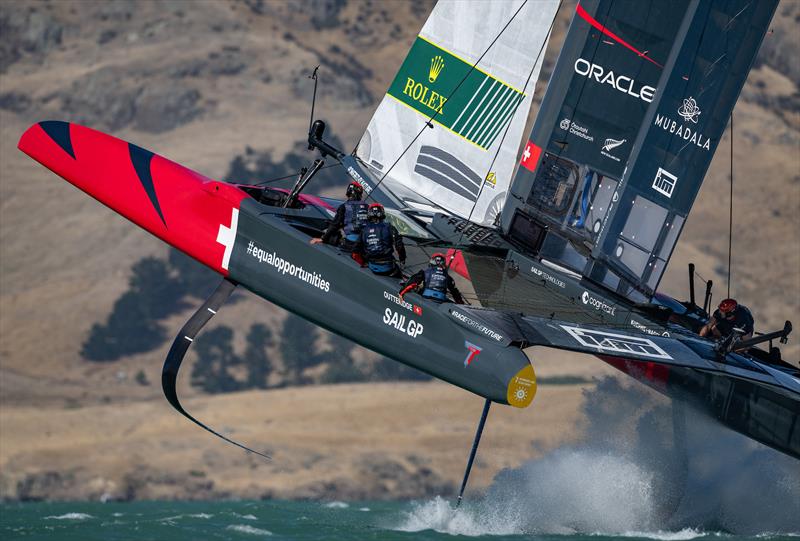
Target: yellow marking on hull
<point>522,388</point>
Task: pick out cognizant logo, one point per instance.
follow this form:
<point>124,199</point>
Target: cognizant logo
<point>621,83</point>
<point>598,304</point>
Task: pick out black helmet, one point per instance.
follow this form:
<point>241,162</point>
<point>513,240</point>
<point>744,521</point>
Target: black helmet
<point>438,260</point>
<point>354,191</point>
<point>375,213</point>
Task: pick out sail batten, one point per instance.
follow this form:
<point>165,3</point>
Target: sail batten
<point>473,88</point>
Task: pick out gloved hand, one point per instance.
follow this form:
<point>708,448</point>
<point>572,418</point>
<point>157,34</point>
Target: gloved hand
<point>406,290</point>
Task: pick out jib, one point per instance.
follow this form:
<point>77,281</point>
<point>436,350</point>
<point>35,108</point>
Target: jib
<point>399,322</point>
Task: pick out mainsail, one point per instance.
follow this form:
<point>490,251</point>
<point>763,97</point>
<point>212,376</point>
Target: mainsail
<point>640,96</point>
<point>465,161</point>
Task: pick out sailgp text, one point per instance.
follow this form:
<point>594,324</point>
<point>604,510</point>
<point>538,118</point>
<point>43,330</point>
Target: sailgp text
<point>401,323</point>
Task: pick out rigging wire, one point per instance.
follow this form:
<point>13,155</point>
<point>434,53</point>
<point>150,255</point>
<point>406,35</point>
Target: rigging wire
<point>428,123</point>
<point>508,126</point>
<point>292,175</point>
<point>730,216</point>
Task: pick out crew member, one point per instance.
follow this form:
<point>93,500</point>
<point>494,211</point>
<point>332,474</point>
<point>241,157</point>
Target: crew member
<point>435,282</point>
<point>377,243</point>
<point>729,316</point>
<point>349,219</point>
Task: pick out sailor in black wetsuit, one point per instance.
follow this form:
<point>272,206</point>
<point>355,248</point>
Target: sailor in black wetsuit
<point>377,243</point>
<point>435,282</point>
<point>349,219</point>
<point>727,318</point>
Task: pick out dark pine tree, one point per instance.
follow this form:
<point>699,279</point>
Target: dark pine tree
<point>194,278</point>
<point>297,348</point>
<point>259,338</point>
<point>129,330</point>
<point>341,368</point>
<point>215,356</point>
<point>160,293</point>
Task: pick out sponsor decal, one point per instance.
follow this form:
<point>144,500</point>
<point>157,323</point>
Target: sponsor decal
<point>544,275</point>
<point>576,129</point>
<point>286,267</point>
<point>664,182</point>
<point>400,323</point>
<point>480,327</point>
<point>420,93</point>
<point>358,178</point>
<point>647,330</point>
<point>530,156</point>
<point>624,344</point>
<point>426,82</point>
<point>689,112</point>
<point>227,237</point>
<point>401,302</point>
<point>491,179</point>
<point>472,352</point>
<point>609,145</point>
<point>598,304</point>
<point>437,65</point>
<point>622,83</point>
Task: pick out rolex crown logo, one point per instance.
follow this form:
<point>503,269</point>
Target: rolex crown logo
<point>437,65</point>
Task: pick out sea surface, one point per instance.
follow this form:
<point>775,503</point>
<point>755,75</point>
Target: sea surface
<point>434,519</point>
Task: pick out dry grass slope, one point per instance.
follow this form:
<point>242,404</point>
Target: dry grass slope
<point>198,86</point>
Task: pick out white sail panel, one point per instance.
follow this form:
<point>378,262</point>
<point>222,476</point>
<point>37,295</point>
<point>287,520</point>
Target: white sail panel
<point>453,163</point>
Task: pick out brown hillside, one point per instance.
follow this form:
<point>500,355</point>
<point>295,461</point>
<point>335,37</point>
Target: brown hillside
<point>201,82</point>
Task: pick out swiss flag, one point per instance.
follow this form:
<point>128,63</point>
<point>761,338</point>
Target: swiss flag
<point>418,310</point>
<point>530,156</point>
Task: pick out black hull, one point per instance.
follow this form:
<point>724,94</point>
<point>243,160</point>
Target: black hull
<point>759,411</point>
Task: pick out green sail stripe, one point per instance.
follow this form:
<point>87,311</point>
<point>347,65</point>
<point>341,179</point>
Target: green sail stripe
<point>509,103</point>
<point>472,99</point>
<point>503,124</point>
<point>481,118</point>
<point>438,84</point>
<point>468,123</point>
<point>494,114</point>
<point>505,120</point>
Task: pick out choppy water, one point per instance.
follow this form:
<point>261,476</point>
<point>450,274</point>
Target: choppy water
<point>627,479</point>
<point>277,520</point>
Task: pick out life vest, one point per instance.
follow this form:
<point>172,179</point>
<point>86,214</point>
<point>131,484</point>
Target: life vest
<point>435,283</point>
<point>355,216</point>
<point>742,319</point>
<point>377,239</point>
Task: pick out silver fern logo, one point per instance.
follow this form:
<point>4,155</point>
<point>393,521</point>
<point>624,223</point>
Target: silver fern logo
<point>689,111</point>
<point>611,144</point>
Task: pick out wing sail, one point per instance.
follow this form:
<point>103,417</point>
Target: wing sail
<point>475,114</point>
<point>638,101</point>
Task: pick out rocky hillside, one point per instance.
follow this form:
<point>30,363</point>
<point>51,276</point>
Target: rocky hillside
<point>215,84</point>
